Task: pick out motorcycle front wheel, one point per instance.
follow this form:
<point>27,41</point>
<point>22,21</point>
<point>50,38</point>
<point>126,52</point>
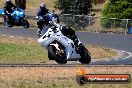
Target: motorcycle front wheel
<point>52,55</point>
<point>24,22</point>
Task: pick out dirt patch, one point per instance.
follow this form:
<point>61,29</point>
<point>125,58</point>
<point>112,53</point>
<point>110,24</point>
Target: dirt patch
<point>56,77</point>
<point>100,52</point>
<point>51,72</point>
<point>6,39</point>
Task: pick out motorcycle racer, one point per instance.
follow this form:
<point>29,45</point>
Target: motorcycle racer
<point>41,22</point>
<point>8,9</point>
<point>67,31</point>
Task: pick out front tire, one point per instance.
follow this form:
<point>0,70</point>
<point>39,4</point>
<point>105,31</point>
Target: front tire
<point>53,56</point>
<point>24,22</point>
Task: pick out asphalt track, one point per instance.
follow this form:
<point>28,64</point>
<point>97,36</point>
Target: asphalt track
<point>115,41</point>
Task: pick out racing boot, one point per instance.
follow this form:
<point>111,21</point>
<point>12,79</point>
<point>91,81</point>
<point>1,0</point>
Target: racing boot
<point>77,44</point>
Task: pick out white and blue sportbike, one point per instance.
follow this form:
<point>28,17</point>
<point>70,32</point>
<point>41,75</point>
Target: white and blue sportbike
<point>61,48</point>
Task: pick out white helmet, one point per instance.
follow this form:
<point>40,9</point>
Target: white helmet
<point>42,5</point>
<point>8,0</point>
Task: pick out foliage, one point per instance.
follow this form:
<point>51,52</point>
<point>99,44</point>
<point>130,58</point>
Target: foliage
<point>121,9</point>
<point>77,7</point>
<point>118,9</point>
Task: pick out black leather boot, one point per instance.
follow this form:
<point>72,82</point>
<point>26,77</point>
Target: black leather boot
<point>78,46</point>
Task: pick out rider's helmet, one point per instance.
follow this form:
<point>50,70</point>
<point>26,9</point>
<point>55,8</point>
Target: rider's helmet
<point>42,6</point>
<point>8,1</point>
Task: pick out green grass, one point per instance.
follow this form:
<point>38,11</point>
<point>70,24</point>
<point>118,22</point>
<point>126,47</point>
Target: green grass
<point>34,53</point>
<point>17,53</point>
<point>26,53</point>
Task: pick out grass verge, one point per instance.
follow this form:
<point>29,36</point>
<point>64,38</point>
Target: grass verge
<point>16,50</point>
<point>15,53</point>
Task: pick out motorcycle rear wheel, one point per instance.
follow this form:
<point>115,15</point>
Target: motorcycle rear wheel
<point>85,56</point>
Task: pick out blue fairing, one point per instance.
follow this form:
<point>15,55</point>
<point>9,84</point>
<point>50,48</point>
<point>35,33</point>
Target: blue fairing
<point>17,14</point>
<point>51,16</point>
<point>2,12</point>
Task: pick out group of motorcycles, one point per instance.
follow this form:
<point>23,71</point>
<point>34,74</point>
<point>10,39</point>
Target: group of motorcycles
<point>60,48</point>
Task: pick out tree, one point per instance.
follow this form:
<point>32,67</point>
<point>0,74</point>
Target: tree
<point>118,9</point>
<point>74,6</point>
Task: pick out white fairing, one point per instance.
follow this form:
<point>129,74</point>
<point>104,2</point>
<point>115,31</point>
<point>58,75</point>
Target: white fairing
<point>49,36</point>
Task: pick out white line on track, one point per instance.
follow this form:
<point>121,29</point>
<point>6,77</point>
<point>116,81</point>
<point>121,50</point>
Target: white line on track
<point>16,37</point>
<point>11,36</point>
<point>3,35</point>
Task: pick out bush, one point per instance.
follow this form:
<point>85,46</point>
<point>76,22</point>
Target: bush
<point>76,7</point>
<point>117,9</point>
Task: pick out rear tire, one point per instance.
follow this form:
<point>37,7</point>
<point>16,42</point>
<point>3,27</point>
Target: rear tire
<point>53,56</point>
